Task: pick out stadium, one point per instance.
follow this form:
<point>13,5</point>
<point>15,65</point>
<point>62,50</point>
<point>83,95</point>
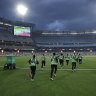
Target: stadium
<point>44,41</point>
<point>21,42</point>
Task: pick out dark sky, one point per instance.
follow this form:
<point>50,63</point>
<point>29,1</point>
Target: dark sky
<point>54,14</point>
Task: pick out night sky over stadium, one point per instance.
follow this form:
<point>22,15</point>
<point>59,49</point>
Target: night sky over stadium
<point>53,14</point>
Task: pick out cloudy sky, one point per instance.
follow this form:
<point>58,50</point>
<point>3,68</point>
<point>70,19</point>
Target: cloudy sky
<point>53,14</point>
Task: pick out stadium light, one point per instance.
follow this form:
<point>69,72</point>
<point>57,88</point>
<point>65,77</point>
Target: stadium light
<point>61,51</point>
<point>74,51</point>
<point>45,51</point>
<point>22,9</point>
<point>2,51</point>
<point>90,50</point>
<point>18,51</point>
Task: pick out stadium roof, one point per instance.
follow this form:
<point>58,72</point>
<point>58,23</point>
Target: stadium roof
<point>65,32</point>
<point>6,22</point>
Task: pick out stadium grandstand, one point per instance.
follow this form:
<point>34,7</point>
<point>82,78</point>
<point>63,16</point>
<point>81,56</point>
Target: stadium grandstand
<point>66,40</point>
<point>10,41</point>
<point>44,41</point>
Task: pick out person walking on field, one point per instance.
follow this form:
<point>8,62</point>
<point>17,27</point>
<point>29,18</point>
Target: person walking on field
<point>61,60</point>
<point>80,59</point>
<point>33,63</point>
<point>67,59</point>
<point>73,62</point>
<point>43,60</point>
<point>54,62</point>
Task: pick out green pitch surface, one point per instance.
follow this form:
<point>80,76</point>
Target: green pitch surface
<point>79,83</point>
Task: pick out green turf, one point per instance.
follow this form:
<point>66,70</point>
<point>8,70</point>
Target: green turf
<point>17,82</point>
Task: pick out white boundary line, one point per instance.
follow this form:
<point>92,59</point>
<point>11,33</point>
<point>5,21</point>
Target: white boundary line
<point>50,69</point>
<point>57,69</point>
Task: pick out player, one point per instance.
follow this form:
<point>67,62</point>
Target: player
<point>70,55</point>
<point>54,61</point>
<point>80,59</point>
<point>43,61</point>
<point>67,59</point>
<point>77,57</point>
<point>73,62</point>
<point>33,63</point>
<point>61,60</point>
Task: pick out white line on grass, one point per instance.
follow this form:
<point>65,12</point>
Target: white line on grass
<point>50,69</point>
<point>57,69</point>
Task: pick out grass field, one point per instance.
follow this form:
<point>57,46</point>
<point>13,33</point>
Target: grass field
<point>79,83</point>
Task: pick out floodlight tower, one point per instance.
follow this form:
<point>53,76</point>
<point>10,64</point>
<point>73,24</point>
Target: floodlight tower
<point>22,10</point>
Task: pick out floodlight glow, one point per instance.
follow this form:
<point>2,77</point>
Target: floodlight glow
<point>2,51</point>
<point>18,51</point>
<point>45,51</point>
<point>22,9</point>
<point>61,51</point>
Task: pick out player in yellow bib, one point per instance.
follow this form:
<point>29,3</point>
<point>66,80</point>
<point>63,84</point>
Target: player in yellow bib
<point>80,59</point>
<point>73,62</point>
<point>67,59</point>
<point>54,62</point>
<point>61,60</point>
<point>33,63</point>
<point>43,59</point>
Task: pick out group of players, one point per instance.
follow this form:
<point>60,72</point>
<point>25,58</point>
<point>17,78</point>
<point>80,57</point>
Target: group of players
<point>76,58</point>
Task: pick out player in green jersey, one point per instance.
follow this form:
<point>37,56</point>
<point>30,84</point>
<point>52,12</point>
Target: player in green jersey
<point>43,61</point>
<point>33,63</point>
<point>61,60</point>
<point>80,59</point>
<point>73,62</point>
<point>54,62</point>
<point>70,55</point>
<point>77,57</point>
<point>67,59</point>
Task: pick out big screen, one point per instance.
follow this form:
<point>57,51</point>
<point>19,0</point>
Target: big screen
<point>21,31</point>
